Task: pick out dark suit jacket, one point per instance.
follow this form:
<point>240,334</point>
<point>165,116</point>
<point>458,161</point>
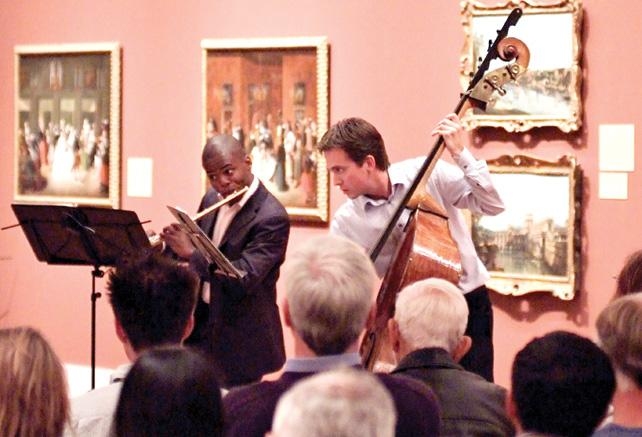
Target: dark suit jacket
<point>244,333</point>
<point>248,410</point>
<point>470,405</point>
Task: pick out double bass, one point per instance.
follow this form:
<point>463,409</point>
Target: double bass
<point>426,248</point>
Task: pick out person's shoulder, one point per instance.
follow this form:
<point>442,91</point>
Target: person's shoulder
<point>96,426</point>
<point>614,430</point>
<point>92,413</point>
<point>416,404</point>
<point>398,380</point>
<point>265,198</point>
<point>405,170</point>
<point>403,385</point>
<point>486,399</point>
<point>346,209</point>
<point>490,387</point>
<point>407,163</point>
<point>267,211</point>
<point>416,161</point>
<point>342,222</point>
<point>96,402</point>
<point>473,384</point>
<point>477,380</point>
<point>249,409</point>
<point>249,397</point>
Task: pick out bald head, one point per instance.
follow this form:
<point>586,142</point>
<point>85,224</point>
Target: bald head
<point>225,145</point>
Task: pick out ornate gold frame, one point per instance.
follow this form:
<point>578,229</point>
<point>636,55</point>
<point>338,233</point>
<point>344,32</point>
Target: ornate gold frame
<point>274,80</point>
<point>533,245</point>
<point>53,83</point>
<point>549,92</point>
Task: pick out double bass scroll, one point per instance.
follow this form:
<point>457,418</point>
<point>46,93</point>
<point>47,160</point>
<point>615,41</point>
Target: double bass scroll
<point>508,48</point>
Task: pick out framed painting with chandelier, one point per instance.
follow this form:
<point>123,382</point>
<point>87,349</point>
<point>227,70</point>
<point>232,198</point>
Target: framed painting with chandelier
<point>272,95</point>
<point>67,99</point>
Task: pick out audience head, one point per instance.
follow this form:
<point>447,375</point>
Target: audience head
<point>329,285</point>
<point>153,298</point>
<point>33,393</point>
<point>169,391</point>
<point>358,139</point>
<point>562,384</point>
<point>339,403</point>
<point>630,278</point>
<point>619,328</point>
<point>430,313</point>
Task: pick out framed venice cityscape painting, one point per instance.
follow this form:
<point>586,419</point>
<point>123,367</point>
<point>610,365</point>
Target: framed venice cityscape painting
<point>67,101</point>
<point>534,245</point>
<point>272,95</point>
<point>549,92</point>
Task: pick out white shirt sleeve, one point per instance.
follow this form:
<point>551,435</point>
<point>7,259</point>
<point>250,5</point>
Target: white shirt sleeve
<point>468,186</point>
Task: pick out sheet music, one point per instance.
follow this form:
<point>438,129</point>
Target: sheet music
<point>204,245</point>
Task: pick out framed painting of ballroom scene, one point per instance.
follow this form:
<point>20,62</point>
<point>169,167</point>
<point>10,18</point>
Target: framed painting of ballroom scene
<point>67,100</point>
<point>534,245</point>
<point>272,95</point>
<point>549,92</point>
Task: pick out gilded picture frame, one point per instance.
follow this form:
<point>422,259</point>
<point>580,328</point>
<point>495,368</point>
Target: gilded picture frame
<point>67,124</point>
<point>535,244</point>
<point>549,92</point>
<point>272,94</point>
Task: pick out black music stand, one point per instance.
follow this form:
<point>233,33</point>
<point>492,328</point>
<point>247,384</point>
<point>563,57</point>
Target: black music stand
<point>82,235</point>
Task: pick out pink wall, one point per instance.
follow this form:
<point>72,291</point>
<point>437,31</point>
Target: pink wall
<point>393,63</point>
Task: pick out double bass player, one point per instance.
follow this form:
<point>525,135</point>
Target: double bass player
<point>357,160</point>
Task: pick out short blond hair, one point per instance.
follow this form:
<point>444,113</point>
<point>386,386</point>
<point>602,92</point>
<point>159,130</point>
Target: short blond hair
<point>431,313</point>
<point>33,395</point>
<point>329,286</point>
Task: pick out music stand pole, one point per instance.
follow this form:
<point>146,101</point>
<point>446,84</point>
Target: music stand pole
<point>96,273</point>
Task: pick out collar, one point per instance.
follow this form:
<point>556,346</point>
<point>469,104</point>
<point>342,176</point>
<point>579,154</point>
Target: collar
<point>430,357</point>
<point>254,185</point>
<point>397,174</point>
<point>322,363</point>
<point>397,182</point>
<point>120,373</point>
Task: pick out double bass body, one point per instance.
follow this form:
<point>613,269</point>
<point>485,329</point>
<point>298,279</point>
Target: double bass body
<point>427,250</point>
